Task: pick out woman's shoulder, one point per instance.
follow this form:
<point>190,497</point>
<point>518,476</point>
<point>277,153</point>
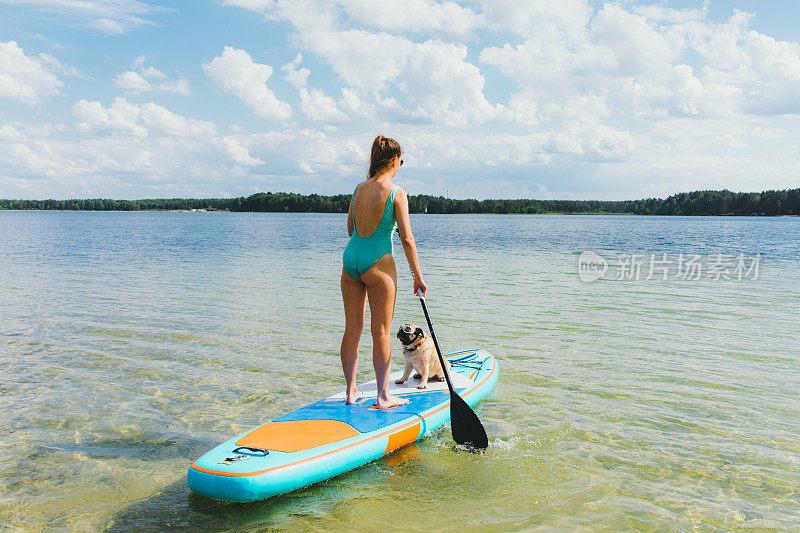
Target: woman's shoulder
<point>399,194</point>
<point>384,187</point>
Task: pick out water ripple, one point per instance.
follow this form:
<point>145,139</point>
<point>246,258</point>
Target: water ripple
<point>132,342</point>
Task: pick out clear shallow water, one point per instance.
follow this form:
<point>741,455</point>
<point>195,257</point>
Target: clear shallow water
<point>130,343</point>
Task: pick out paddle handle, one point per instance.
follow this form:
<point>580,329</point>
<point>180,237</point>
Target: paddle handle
<point>436,342</point>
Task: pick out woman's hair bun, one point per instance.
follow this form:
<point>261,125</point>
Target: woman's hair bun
<point>383,151</point>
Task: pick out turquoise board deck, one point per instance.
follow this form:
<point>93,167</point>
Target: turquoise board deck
<point>328,437</point>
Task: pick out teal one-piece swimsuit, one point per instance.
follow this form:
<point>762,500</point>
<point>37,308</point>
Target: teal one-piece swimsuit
<point>363,252</point>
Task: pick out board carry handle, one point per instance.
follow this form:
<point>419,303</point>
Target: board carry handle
<point>265,452</point>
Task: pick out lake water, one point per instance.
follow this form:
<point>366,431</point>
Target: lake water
<point>131,343</point>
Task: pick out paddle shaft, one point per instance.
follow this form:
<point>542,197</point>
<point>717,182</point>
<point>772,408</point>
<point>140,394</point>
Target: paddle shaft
<point>436,343</point>
<point>464,423</point>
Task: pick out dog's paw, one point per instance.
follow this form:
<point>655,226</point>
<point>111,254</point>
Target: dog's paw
<point>417,376</point>
<point>440,378</point>
<point>422,386</point>
<point>399,381</point>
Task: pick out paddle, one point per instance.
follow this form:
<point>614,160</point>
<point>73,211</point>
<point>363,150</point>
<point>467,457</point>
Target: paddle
<point>466,427</point>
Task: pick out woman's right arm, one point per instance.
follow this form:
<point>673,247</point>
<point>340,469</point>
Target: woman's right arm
<point>407,238</point>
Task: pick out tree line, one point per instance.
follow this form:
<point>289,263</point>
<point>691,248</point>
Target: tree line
<point>724,202</point>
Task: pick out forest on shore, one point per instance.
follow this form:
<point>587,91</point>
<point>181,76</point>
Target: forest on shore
<point>724,202</point>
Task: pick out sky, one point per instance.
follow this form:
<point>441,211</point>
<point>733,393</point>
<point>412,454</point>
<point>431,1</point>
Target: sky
<point>568,99</point>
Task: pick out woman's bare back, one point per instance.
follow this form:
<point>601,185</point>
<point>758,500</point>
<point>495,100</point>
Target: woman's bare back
<point>369,205</point>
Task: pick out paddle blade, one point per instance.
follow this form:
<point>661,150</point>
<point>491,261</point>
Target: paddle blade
<point>467,428</point>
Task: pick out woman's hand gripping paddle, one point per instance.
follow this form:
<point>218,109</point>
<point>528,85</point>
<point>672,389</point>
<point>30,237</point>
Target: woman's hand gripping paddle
<point>466,427</point>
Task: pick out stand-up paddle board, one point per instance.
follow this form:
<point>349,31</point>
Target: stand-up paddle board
<point>329,437</point>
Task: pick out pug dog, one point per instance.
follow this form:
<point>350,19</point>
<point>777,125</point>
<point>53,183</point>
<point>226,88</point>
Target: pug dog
<point>420,355</point>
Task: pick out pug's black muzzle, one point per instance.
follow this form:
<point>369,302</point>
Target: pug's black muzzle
<point>409,338</point>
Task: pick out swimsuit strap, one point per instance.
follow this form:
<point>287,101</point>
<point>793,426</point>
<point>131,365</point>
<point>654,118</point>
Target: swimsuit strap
<point>390,200</point>
<point>389,208</point>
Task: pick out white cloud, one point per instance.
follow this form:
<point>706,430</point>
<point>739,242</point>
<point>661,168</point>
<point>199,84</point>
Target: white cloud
<point>152,72</point>
<point>27,78</point>
<point>202,163</point>
<point>127,165</point>
<point>307,14</point>
<point>437,82</point>
<point>314,103</point>
<point>635,62</point>
<point>768,75</point>
<point>360,58</point>
<point>238,152</point>
<point>236,73</point>
<point>311,152</point>
<point>396,16</point>
<point>412,16</point>
<point>604,143</point>
<point>133,81</point>
<point>504,152</point>
<point>9,133</point>
<point>441,86</point>
<point>253,5</point>
<point>121,118</point>
<point>298,77</point>
<point>125,118</point>
<point>57,67</point>
<point>354,103</point>
<point>632,45</point>
<point>106,16</point>
<point>543,18</point>
<point>124,150</point>
<point>105,25</point>
<point>150,79</point>
<point>318,106</point>
<point>160,118</point>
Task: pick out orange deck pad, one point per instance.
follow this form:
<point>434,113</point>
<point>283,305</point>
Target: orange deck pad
<point>297,435</point>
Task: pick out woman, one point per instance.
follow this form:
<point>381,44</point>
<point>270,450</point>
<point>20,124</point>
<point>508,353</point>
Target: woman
<point>377,207</point>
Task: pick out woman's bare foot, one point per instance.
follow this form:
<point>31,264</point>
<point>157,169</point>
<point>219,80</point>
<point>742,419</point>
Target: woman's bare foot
<point>353,397</point>
<point>390,400</point>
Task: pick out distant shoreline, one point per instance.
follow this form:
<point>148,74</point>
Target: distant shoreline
<point>554,213</point>
<point>784,202</point>
<point>217,211</point>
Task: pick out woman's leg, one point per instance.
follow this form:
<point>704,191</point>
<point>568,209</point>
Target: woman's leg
<point>381,280</point>
<point>354,295</point>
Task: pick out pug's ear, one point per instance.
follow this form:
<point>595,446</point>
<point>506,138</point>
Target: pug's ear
<point>419,331</point>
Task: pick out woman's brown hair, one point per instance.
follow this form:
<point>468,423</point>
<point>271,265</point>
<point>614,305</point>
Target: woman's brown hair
<point>384,150</point>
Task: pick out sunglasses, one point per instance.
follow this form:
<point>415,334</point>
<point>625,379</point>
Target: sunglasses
<point>401,162</point>
<point>408,329</point>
